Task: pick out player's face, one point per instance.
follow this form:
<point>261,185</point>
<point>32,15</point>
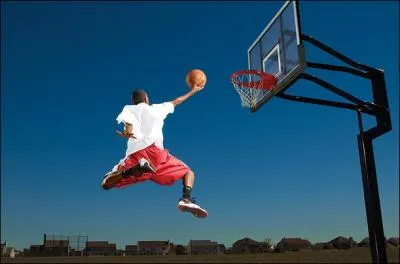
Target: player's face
<point>147,99</point>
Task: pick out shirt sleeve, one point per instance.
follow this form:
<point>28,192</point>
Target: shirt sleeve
<point>128,116</point>
<point>163,109</point>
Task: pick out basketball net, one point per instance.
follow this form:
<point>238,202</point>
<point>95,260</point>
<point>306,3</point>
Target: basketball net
<point>251,86</point>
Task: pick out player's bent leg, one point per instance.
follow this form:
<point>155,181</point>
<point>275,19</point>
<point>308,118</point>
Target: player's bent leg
<point>171,170</point>
<point>116,178</point>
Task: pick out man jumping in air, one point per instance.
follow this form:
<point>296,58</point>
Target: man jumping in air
<point>146,158</point>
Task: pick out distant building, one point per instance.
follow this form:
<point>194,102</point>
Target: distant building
<point>3,248</point>
<point>293,244</point>
<point>58,247</point>
<point>391,242</point>
<point>100,248</point>
<point>131,250</point>
<point>203,247</point>
<point>394,241</point>
<point>343,243</point>
<point>328,246</point>
<point>248,245</point>
<point>35,250</point>
<point>171,249</point>
<point>154,247</point>
<point>25,252</point>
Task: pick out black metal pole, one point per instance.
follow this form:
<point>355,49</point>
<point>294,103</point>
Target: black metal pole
<point>371,196</point>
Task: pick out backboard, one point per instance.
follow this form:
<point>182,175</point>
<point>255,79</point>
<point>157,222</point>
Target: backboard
<point>278,50</point>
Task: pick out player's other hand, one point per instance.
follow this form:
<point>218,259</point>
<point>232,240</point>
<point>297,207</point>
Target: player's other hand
<point>125,134</point>
<point>196,88</point>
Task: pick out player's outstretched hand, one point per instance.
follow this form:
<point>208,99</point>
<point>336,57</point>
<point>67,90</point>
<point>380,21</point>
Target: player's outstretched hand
<point>196,88</point>
<point>125,134</point>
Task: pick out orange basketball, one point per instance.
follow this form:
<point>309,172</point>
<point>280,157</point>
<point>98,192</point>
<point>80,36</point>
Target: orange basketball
<point>196,76</point>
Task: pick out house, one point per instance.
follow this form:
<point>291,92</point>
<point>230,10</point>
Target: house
<point>343,243</point>
<point>100,248</point>
<point>393,241</point>
<point>131,250</point>
<point>59,247</point>
<point>154,247</point>
<point>248,245</point>
<point>35,250</point>
<point>9,252</point>
<point>364,242</point>
<point>25,252</point>
<point>328,245</point>
<point>3,248</point>
<point>171,249</point>
<point>292,244</point>
<point>203,247</point>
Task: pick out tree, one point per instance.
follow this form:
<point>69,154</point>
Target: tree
<point>268,244</point>
<point>180,250</point>
<point>268,241</point>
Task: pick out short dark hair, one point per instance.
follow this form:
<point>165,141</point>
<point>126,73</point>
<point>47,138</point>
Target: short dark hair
<point>138,96</point>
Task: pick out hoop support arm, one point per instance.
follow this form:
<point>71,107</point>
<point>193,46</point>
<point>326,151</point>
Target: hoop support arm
<point>338,68</point>
<point>303,99</point>
<point>336,54</point>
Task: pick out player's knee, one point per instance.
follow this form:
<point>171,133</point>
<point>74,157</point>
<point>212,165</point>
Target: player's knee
<point>191,173</point>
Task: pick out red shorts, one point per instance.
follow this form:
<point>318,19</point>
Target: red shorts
<point>168,168</point>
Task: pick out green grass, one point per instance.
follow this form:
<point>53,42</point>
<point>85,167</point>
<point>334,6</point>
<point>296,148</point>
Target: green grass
<point>356,255</point>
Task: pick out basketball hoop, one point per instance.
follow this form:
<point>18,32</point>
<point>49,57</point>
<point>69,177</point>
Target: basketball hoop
<point>250,84</point>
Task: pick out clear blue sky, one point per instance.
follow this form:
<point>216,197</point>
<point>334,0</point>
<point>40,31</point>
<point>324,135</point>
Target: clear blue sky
<point>289,170</point>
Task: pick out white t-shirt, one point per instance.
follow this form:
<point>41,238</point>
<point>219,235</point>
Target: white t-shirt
<point>147,121</point>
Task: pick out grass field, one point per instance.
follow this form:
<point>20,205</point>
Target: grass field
<point>356,255</point>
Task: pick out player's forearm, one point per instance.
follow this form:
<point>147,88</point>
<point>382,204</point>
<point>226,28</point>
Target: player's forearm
<point>183,98</point>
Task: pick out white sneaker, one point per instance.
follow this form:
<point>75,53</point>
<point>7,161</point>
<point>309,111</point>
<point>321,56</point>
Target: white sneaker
<point>145,166</point>
<point>189,205</point>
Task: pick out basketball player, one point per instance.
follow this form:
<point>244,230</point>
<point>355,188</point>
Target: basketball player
<point>146,158</point>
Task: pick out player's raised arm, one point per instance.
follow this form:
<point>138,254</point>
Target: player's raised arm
<point>183,98</point>
<point>196,80</point>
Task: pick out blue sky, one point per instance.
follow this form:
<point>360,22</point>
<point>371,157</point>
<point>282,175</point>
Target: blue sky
<point>288,170</point>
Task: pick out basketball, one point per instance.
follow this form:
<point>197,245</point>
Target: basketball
<point>196,76</point>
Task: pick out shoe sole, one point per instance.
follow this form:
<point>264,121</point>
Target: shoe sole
<point>197,212</point>
<point>112,179</point>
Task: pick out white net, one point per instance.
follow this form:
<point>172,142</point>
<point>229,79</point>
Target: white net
<point>250,87</point>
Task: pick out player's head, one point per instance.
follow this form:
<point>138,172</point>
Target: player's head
<point>140,96</point>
